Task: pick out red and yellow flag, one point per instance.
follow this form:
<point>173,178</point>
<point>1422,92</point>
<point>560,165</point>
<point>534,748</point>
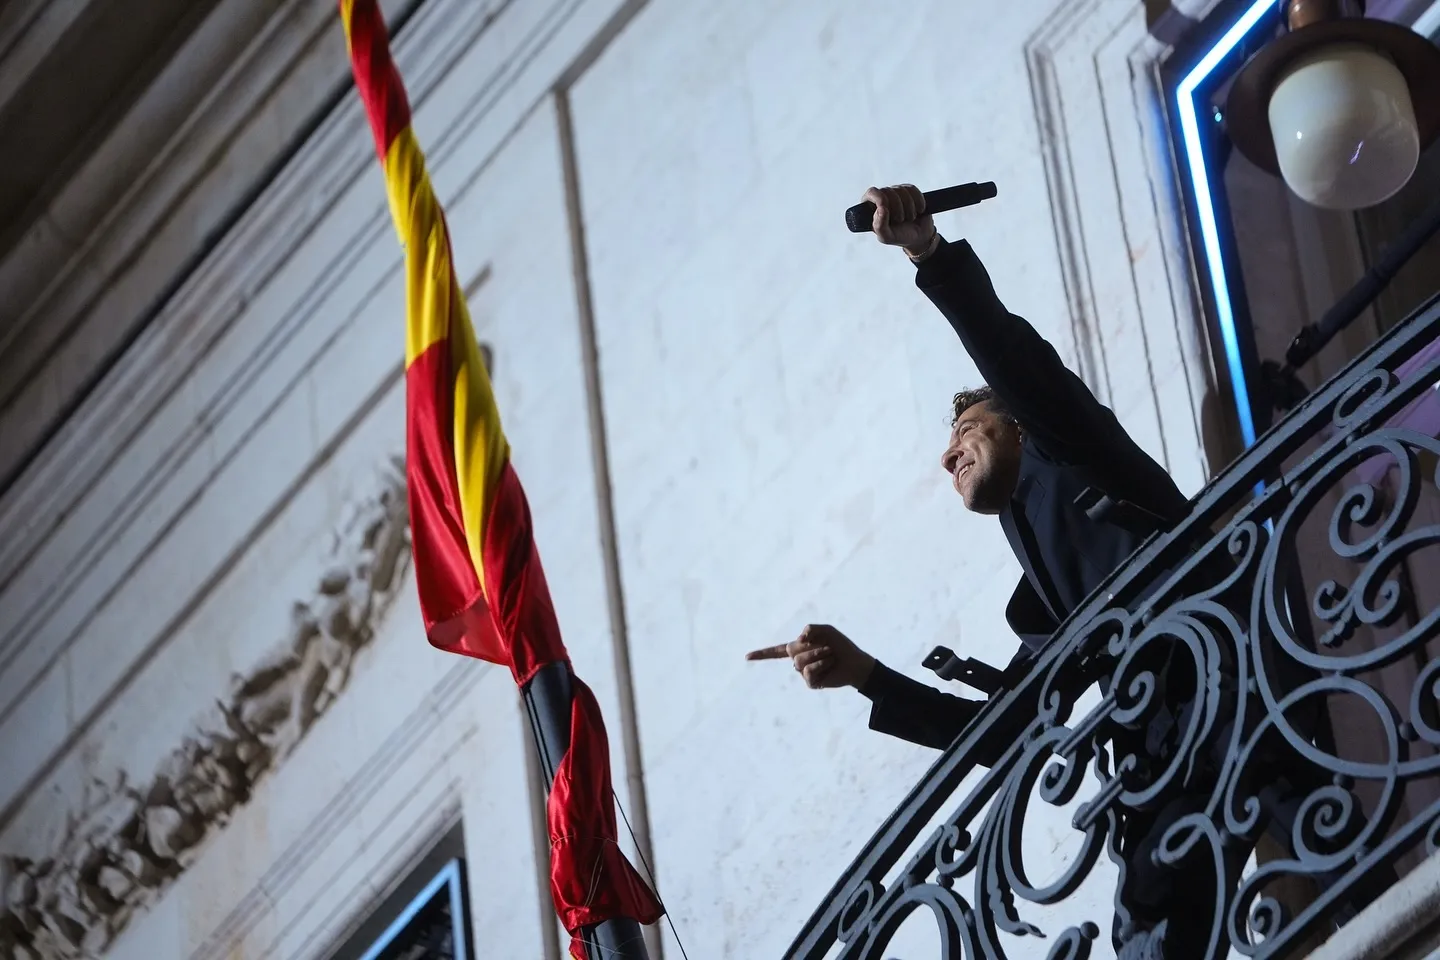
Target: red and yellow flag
<point>482,590</point>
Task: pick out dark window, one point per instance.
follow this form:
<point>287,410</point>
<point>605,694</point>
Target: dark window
<point>425,917</point>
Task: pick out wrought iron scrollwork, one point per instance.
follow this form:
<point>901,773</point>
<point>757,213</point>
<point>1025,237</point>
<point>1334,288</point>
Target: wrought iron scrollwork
<point>1212,635</point>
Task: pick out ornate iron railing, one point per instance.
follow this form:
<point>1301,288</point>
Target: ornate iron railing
<point>1221,598</point>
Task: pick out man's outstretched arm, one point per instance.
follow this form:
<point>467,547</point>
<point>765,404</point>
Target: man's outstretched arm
<point>1052,404</point>
<point>901,707</point>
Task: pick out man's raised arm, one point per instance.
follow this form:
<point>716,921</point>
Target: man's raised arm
<point>1045,396</point>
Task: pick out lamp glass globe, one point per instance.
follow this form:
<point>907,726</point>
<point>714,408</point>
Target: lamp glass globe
<point>1344,127</point>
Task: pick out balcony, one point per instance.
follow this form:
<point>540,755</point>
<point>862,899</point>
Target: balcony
<point>1297,608</point>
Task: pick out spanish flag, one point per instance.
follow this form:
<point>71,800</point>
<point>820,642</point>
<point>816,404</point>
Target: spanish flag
<point>482,590</point>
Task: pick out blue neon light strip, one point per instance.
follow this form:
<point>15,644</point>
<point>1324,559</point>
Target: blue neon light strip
<point>1205,203</point>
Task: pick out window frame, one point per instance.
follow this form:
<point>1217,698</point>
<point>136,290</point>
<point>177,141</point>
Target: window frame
<point>1199,67</point>
<point>451,879</point>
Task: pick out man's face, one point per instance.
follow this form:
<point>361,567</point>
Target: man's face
<point>983,459</point>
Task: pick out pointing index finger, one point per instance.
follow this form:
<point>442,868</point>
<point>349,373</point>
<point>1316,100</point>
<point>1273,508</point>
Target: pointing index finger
<point>777,652</point>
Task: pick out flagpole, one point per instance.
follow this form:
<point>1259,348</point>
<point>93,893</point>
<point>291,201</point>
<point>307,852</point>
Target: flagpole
<point>548,698</point>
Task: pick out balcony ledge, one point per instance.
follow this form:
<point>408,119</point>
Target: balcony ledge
<point>1402,924</point>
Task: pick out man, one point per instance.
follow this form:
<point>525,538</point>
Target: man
<point>1073,492</point>
<point>1075,496</point>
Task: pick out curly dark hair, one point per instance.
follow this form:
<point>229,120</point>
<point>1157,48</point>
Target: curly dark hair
<point>966,399</point>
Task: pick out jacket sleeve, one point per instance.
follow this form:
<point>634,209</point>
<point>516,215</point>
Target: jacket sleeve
<point>1052,404</point>
<point>913,711</point>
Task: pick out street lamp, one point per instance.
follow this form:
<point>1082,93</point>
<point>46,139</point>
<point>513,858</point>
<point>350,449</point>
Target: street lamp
<point>1340,106</point>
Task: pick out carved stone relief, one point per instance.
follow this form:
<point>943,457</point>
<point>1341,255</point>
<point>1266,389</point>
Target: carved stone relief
<point>131,840</point>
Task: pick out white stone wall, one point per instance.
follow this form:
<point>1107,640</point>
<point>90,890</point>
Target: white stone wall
<point>777,391</point>
<point>774,390</point>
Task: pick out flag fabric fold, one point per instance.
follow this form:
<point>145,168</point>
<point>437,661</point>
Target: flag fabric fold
<point>482,590</point>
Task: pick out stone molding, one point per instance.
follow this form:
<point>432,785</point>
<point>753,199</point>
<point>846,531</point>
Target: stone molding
<point>118,449</point>
<point>131,220</point>
<point>130,841</point>
<point>308,873</point>
<point>1125,257</point>
<point>215,295</point>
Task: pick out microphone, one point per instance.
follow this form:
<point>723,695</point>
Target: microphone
<point>860,217</point>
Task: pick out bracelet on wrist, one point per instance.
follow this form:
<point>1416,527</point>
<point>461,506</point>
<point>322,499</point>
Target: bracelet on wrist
<point>930,248</point>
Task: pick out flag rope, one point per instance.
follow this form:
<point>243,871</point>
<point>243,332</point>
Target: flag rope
<point>650,875</point>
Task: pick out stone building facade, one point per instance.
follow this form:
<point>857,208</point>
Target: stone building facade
<point>222,734</point>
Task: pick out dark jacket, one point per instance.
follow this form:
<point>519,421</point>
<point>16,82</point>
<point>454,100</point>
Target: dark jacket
<point>1074,516</point>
